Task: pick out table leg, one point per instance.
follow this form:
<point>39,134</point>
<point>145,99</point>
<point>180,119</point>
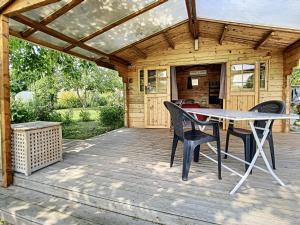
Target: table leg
<point>260,144</point>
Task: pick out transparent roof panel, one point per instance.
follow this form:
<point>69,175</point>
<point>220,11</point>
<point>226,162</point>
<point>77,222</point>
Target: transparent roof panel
<point>85,52</point>
<point>47,38</point>
<point>277,13</point>
<point>16,26</point>
<point>92,15</point>
<point>150,22</point>
<point>42,12</point>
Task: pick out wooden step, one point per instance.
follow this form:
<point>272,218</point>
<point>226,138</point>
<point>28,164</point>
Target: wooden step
<point>29,207</point>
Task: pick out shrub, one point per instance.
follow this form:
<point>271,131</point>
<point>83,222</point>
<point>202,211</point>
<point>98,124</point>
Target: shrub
<point>67,117</point>
<point>56,117</point>
<point>68,99</point>
<point>22,112</point>
<point>84,115</point>
<point>112,116</point>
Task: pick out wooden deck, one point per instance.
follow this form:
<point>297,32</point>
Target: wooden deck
<point>124,177</point>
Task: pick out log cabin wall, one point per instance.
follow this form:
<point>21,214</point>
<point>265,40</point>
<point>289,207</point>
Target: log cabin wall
<point>199,93</point>
<point>210,51</point>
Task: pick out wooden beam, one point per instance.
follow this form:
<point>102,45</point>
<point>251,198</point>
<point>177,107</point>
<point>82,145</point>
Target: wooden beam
<point>117,23</point>
<point>225,30</point>
<point>27,21</point>
<point>5,145</point>
<point>168,39</point>
<point>193,21</point>
<point>54,16</point>
<point>264,40</point>
<point>20,6</point>
<point>292,46</point>
<point>105,64</point>
<point>139,52</point>
<point>4,4</point>
<point>55,47</point>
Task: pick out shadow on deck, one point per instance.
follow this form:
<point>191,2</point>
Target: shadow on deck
<point>124,177</point>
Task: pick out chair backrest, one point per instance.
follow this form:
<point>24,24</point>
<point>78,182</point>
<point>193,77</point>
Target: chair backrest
<point>177,115</point>
<point>273,106</point>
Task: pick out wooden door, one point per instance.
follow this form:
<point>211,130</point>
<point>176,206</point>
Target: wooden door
<point>157,90</point>
<point>242,87</point>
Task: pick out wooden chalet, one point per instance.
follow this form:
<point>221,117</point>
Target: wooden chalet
<point>159,46</point>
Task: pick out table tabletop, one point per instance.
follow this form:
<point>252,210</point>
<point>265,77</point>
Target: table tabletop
<point>239,115</point>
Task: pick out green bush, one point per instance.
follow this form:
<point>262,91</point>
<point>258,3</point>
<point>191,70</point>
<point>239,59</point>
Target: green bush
<point>22,112</point>
<point>67,117</point>
<point>67,99</point>
<point>56,117</point>
<point>112,116</point>
<point>84,115</point>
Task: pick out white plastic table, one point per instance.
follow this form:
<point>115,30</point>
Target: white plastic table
<point>234,115</point>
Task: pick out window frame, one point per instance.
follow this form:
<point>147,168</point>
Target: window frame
<point>231,77</point>
<point>256,63</point>
<point>139,80</point>
<point>267,63</point>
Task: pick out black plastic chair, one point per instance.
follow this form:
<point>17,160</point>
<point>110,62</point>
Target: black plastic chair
<point>248,138</point>
<point>192,139</point>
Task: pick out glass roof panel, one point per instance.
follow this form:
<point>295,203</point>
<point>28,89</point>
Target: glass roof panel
<point>42,12</point>
<point>93,15</point>
<point>47,38</point>
<point>85,52</point>
<point>16,26</point>
<point>146,24</point>
<point>277,13</point>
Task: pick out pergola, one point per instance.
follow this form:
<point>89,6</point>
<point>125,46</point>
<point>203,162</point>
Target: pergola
<point>115,33</point>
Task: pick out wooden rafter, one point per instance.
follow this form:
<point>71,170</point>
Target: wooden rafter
<point>193,21</point>
<point>264,40</point>
<point>4,4</point>
<point>123,20</point>
<point>55,47</point>
<point>168,39</point>
<point>139,52</point>
<point>21,6</point>
<point>292,46</point>
<point>225,31</point>
<point>27,21</point>
<point>54,16</point>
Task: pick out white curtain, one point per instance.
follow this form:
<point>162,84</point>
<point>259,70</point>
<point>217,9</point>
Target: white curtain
<point>174,93</point>
<point>222,94</point>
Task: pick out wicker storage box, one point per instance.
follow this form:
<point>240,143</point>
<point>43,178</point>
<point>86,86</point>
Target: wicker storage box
<point>35,145</point>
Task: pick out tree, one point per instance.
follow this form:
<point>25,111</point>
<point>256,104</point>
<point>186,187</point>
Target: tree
<point>85,78</point>
<point>295,78</point>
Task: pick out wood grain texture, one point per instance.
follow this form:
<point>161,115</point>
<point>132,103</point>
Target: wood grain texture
<point>5,103</point>
<point>101,181</point>
<point>20,6</point>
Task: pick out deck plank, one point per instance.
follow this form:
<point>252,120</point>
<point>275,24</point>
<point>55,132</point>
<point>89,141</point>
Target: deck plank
<point>127,172</point>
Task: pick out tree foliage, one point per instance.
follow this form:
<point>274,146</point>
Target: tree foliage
<point>295,78</point>
<point>46,72</point>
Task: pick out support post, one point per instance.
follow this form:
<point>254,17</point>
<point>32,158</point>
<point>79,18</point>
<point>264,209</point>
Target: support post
<point>5,103</point>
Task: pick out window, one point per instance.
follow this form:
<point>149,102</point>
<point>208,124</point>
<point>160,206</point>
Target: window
<point>262,75</point>
<point>194,81</point>
<point>242,76</point>
<point>141,81</point>
<point>157,81</point>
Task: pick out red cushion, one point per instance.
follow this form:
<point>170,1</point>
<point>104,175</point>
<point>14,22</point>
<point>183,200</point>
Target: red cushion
<point>194,105</point>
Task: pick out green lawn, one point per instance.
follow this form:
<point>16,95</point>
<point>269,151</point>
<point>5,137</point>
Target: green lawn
<point>94,113</point>
<point>81,130</point>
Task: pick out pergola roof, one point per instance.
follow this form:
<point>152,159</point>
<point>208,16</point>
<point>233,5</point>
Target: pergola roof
<point>104,30</point>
